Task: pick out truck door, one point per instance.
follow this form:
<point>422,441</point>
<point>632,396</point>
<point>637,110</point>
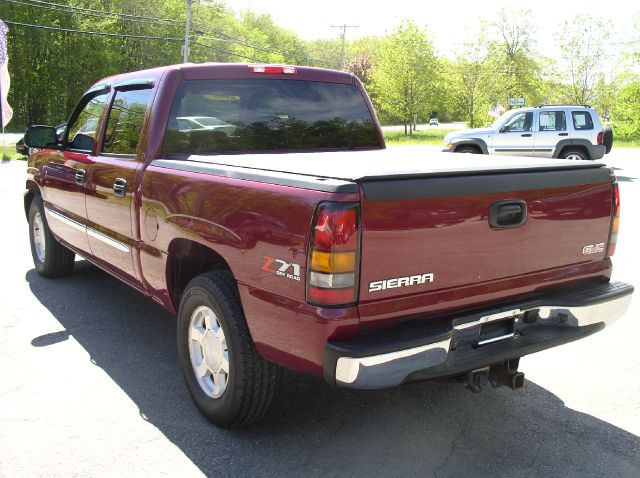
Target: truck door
<point>552,128</point>
<point>111,182</point>
<point>515,137</point>
<point>65,171</point>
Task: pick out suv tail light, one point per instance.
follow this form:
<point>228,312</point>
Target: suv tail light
<point>615,217</point>
<point>333,264</point>
<point>600,137</point>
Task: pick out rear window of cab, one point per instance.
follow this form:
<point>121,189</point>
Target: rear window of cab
<point>218,116</point>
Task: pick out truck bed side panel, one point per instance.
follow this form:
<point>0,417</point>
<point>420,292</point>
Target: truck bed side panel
<point>253,226</point>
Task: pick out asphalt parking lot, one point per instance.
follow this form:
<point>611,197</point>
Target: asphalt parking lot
<point>90,386</point>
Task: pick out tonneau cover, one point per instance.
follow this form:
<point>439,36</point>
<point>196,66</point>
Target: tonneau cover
<point>387,163</point>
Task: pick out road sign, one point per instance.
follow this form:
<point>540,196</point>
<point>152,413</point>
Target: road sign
<point>516,101</point>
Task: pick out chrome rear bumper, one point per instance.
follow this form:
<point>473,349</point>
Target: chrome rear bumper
<point>389,360</point>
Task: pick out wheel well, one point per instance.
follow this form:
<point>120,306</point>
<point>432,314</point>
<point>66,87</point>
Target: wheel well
<point>575,147</point>
<point>32,192</point>
<point>468,145</point>
<point>186,260</point>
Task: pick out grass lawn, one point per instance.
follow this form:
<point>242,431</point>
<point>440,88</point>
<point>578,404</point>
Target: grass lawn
<point>426,136</point>
<point>626,143</point>
<point>9,152</point>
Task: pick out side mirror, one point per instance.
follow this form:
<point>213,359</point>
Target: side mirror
<point>40,137</point>
<point>83,142</point>
<point>504,129</point>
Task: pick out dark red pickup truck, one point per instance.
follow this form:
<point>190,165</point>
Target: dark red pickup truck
<point>259,204</point>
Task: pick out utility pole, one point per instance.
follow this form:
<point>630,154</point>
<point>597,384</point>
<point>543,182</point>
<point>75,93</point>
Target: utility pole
<point>185,48</point>
<point>344,37</point>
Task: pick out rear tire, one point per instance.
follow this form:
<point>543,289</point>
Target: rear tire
<point>574,154</point>
<point>230,383</point>
<point>51,258</point>
<point>469,150</point>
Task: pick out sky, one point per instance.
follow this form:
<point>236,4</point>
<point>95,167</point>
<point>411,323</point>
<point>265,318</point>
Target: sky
<point>450,23</point>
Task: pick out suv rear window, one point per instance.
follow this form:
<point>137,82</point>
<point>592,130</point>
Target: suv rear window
<point>214,116</point>
<point>582,120</point>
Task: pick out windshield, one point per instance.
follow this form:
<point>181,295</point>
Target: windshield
<point>496,124</point>
<point>213,116</point>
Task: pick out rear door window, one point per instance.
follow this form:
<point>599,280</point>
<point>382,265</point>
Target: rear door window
<point>214,116</point>
<point>553,121</point>
<point>125,122</point>
<point>582,120</point>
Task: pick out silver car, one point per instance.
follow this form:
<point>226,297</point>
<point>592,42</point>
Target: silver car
<point>554,131</point>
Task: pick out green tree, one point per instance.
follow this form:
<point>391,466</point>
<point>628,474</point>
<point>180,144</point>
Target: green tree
<point>513,55</point>
<point>582,41</point>
<point>474,72</point>
<point>404,75</point>
<point>626,120</point>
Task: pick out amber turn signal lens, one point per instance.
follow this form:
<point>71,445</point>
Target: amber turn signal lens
<point>333,262</point>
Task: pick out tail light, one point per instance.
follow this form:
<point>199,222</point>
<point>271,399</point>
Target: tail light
<point>600,137</point>
<point>615,217</point>
<point>273,69</point>
<point>334,255</point>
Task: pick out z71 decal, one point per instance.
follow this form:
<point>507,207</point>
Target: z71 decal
<point>290,270</point>
<point>396,282</point>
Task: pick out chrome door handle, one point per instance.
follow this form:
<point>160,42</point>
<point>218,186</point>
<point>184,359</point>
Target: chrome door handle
<point>563,134</point>
<point>120,187</point>
<point>80,174</point>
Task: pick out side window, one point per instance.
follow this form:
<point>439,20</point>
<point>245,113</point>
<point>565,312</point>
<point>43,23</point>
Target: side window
<point>125,122</point>
<point>82,130</point>
<point>553,121</point>
<point>582,120</point>
<point>519,123</point>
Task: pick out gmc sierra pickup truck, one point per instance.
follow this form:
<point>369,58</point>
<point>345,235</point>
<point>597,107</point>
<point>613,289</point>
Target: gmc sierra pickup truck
<point>260,205</point>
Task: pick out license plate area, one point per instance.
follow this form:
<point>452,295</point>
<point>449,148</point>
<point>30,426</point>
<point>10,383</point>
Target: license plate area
<point>495,331</point>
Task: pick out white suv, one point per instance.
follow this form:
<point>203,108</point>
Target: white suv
<point>559,131</point>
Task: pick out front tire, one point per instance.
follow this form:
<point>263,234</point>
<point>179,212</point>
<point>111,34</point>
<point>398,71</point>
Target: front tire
<point>50,257</point>
<point>469,150</point>
<point>230,383</point>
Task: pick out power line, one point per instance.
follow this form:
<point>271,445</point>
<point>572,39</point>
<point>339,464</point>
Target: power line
<point>266,50</point>
<point>159,21</point>
<point>88,32</point>
<point>97,13</point>
<point>227,52</point>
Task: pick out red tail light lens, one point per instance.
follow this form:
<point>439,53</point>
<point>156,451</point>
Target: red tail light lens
<point>273,69</point>
<point>600,137</point>
<point>335,229</point>
<point>615,217</point>
<point>334,255</point>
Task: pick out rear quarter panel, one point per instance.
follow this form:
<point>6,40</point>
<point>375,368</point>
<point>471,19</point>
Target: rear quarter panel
<point>249,224</point>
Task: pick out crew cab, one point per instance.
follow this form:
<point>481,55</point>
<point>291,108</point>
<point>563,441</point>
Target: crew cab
<point>293,238</point>
<point>548,131</point>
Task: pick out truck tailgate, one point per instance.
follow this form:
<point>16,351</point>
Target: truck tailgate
<point>422,235</point>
